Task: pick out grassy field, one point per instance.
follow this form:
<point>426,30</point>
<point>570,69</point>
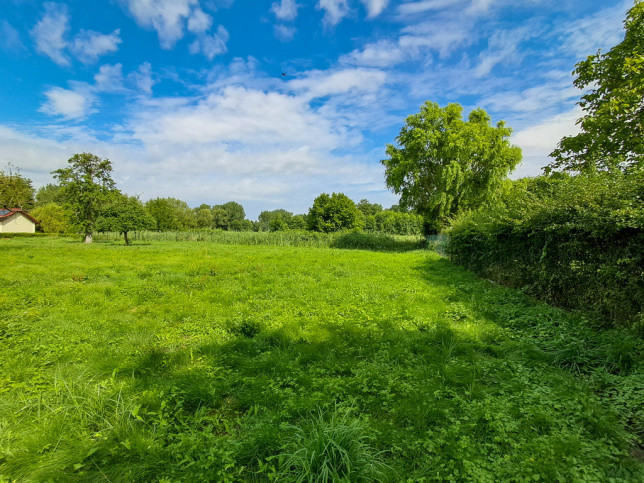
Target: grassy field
<point>186,361</point>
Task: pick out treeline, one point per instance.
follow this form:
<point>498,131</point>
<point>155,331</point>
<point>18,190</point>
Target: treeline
<point>51,206</point>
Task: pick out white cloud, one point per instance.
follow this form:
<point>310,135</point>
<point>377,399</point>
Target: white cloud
<point>67,103</point>
<point>415,8</point>
<point>374,7</point>
<point>503,47</point>
<point>602,30</point>
<point>88,45</point>
<point>284,32</point>
<point>285,9</point>
<point>199,21</point>
<point>50,31</point>
<point>211,45</point>
<point>334,10</point>
<point>109,78</point>
<point>384,53</point>
<point>539,140</point>
<point>167,17</point>
<point>142,78</point>
<point>317,84</point>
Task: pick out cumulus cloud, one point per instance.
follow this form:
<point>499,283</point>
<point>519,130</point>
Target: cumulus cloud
<point>167,17</point>
<point>284,32</point>
<point>374,7</point>
<point>142,78</point>
<point>317,84</point>
<point>211,45</point>
<point>539,140</point>
<point>88,45</point>
<point>109,78</point>
<point>384,53</point>
<point>285,10</point>
<point>50,31</point>
<point>68,103</point>
<point>334,10</point>
<point>199,21</point>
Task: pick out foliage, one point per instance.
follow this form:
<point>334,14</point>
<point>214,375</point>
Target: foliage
<point>231,217</point>
<point>575,241</point>
<point>369,209</point>
<point>50,193</point>
<point>86,185</point>
<point>170,214</point>
<point>124,214</point>
<point>612,128</point>
<point>52,218</point>
<point>15,190</point>
<point>334,213</point>
<point>206,362</point>
<point>329,449</point>
<point>290,238</point>
<point>278,218</point>
<point>442,165</point>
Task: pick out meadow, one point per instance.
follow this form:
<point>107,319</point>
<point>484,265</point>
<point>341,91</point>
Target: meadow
<point>206,361</point>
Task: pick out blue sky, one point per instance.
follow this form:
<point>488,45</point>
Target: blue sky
<point>187,97</point>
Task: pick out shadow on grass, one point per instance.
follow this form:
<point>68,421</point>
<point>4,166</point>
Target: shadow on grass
<point>378,242</point>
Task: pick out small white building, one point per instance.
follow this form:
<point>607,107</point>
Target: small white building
<point>17,221</point>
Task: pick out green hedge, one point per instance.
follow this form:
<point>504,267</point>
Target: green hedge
<point>574,241</point>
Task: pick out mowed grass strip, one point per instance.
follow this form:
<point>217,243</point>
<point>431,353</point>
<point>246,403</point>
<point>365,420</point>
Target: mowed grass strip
<point>178,361</point>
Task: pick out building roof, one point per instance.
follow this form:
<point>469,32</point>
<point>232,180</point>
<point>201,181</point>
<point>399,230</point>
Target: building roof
<point>4,213</point>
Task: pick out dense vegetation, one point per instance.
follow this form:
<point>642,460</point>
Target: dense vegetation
<point>178,361</point>
<point>575,241</point>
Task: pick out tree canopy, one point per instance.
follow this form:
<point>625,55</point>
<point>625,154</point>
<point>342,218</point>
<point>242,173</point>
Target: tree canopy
<point>334,213</point>
<point>442,165</point>
<point>86,185</point>
<point>612,129</point>
<point>124,214</point>
<point>15,190</point>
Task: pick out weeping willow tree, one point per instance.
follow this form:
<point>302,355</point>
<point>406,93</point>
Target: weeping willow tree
<point>442,165</point>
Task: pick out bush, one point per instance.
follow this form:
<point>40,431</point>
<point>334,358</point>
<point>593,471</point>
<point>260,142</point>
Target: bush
<point>575,241</point>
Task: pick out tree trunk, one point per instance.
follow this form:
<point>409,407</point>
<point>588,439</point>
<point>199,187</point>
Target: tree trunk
<point>127,240</point>
<point>88,237</point>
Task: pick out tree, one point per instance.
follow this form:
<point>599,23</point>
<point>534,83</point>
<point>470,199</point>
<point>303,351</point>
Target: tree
<point>265,219</point>
<point>50,193</point>
<point>87,185</point>
<point>52,218</point>
<point>204,217</point>
<point>170,214</point>
<point>15,190</point>
<point>443,165</point>
<point>334,213</point>
<point>612,129</point>
<point>124,214</point>
<point>235,216</point>
<point>369,208</point>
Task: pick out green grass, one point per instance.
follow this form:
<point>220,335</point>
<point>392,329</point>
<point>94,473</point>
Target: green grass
<point>179,361</point>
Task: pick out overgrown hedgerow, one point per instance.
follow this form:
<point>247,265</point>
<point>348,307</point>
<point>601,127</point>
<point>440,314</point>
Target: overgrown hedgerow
<point>575,241</point>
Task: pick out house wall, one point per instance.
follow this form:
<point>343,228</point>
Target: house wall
<point>17,224</point>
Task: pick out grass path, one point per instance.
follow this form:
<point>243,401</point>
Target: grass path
<point>196,361</point>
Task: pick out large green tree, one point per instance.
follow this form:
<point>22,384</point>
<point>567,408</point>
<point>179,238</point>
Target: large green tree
<point>124,214</point>
<point>171,214</point>
<point>334,213</point>
<point>15,190</point>
<point>52,218</point>
<point>612,128</point>
<point>442,164</point>
<point>87,186</point>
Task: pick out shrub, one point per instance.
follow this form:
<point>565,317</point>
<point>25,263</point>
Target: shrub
<point>575,241</point>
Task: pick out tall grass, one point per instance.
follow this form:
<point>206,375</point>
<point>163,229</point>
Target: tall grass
<point>291,238</point>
